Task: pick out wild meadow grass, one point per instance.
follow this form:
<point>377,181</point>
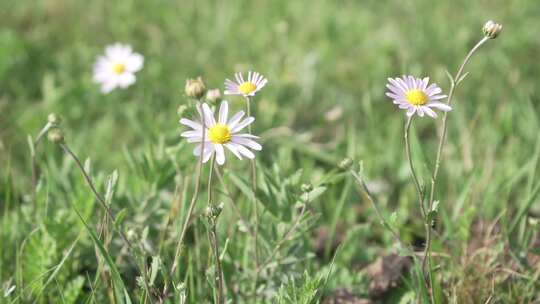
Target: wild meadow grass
<point>103,201</point>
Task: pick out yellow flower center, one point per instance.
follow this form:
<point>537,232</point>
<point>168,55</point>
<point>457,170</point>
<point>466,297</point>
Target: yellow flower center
<point>219,134</point>
<point>416,97</point>
<point>247,87</point>
<point>118,68</point>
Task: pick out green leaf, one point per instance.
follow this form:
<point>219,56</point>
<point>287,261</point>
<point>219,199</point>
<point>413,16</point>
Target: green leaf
<point>120,290</point>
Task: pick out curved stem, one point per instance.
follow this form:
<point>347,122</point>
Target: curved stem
<point>110,215</point>
<point>411,166</point>
<point>193,202</point>
<point>455,82</point>
<point>254,189</point>
<point>213,236</point>
<point>360,181</point>
<point>285,236</point>
<point>235,207</point>
<point>34,164</point>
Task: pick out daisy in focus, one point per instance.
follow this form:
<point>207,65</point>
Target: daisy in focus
<point>220,134</point>
<point>254,83</point>
<point>416,96</point>
<point>117,67</point>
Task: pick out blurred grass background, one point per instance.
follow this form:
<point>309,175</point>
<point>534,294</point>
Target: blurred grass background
<point>327,64</point>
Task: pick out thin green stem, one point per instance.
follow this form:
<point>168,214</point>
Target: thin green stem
<point>194,198</point>
<point>455,82</point>
<point>254,189</point>
<point>34,164</point>
<point>235,207</point>
<point>411,166</point>
<point>286,235</point>
<point>110,214</point>
<point>360,181</point>
<point>214,238</point>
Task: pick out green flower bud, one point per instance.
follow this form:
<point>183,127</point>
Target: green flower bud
<point>54,119</point>
<point>56,136</point>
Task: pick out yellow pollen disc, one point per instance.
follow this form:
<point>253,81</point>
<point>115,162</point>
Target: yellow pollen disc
<point>118,68</point>
<point>219,134</point>
<point>416,97</point>
<point>247,87</point>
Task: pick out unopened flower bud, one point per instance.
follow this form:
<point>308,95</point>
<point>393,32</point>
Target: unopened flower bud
<point>56,136</point>
<point>54,119</point>
<point>345,164</point>
<point>492,29</point>
<point>306,188</point>
<point>213,96</point>
<point>195,88</point>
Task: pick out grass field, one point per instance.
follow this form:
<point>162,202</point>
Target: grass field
<point>318,238</point>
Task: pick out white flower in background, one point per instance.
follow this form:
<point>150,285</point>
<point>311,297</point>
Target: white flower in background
<point>117,67</point>
<point>246,88</point>
<point>221,134</point>
<point>416,96</point>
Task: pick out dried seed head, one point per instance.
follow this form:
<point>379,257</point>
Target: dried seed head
<point>195,88</point>
<point>492,29</point>
<point>56,136</point>
<point>213,96</point>
<point>54,119</point>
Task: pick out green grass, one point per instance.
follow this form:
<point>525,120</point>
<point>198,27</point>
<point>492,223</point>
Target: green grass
<point>319,56</point>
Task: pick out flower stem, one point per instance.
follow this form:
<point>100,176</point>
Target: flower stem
<point>254,189</point>
<point>193,202</point>
<point>411,166</point>
<point>111,216</point>
<point>455,81</point>
<point>360,181</point>
<point>214,238</point>
<point>35,169</point>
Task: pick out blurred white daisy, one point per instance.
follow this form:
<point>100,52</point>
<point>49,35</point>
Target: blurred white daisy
<point>416,96</point>
<point>246,88</point>
<point>117,67</point>
<point>221,134</point>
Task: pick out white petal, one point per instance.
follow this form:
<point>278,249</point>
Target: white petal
<point>208,151</point>
<point>134,62</point>
<point>220,154</point>
<point>235,119</point>
<point>439,105</point>
<point>429,112</point>
<point>247,142</point>
<point>196,133</point>
<point>243,124</point>
<point>208,115</point>
<point>191,124</point>
<point>233,149</point>
<point>125,80</point>
<point>108,86</point>
<point>245,151</point>
<point>223,112</point>
<point>410,111</point>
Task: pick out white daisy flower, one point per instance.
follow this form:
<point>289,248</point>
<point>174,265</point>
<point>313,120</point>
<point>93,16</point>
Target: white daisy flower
<point>221,134</point>
<point>416,96</point>
<point>117,67</point>
<point>254,83</point>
